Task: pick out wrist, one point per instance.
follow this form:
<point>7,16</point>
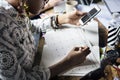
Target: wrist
<point>71,61</point>
<point>47,6</point>
<point>60,67</point>
<point>54,22</point>
<point>62,19</point>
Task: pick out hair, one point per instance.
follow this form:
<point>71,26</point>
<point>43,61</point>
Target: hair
<point>22,8</point>
<point>29,6</point>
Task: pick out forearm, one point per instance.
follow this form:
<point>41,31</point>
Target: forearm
<point>47,23</point>
<point>62,19</point>
<point>103,34</point>
<point>41,24</point>
<point>60,67</point>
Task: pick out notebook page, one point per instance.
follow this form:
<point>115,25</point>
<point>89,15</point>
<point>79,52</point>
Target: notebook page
<point>59,42</point>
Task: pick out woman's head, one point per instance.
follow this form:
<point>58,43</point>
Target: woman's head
<point>33,6</point>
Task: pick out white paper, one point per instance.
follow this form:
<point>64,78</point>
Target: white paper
<point>58,43</point>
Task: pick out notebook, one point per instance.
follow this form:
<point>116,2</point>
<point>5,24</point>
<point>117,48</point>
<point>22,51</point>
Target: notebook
<point>59,42</point>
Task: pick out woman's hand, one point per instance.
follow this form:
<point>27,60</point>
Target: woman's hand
<point>78,55</point>
<point>75,57</point>
<point>71,18</point>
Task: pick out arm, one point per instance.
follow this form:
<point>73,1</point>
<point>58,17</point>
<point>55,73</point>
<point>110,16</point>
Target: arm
<point>75,57</point>
<point>103,34</point>
<point>49,22</point>
<point>71,18</point>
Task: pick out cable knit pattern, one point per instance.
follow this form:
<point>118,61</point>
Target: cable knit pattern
<point>17,48</point>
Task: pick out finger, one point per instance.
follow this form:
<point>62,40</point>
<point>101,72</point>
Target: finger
<point>76,48</point>
<point>84,47</point>
<point>85,50</point>
<point>79,13</point>
<point>78,24</point>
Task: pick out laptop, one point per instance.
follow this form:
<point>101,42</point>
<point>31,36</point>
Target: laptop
<point>113,5</point>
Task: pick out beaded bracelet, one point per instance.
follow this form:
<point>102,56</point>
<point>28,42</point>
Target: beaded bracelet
<point>54,22</point>
<point>57,23</point>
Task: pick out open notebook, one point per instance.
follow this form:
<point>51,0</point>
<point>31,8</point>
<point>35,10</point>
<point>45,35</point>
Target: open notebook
<point>59,42</point>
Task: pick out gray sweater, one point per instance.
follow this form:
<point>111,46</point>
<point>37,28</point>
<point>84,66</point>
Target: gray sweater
<point>17,47</point>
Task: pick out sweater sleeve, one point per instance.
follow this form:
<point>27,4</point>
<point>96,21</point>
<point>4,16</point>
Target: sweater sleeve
<point>45,23</point>
<point>10,69</point>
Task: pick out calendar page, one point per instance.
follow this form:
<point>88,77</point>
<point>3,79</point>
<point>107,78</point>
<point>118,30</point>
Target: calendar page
<point>59,42</point>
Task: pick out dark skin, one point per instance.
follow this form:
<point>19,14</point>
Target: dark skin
<point>73,59</point>
<point>78,54</point>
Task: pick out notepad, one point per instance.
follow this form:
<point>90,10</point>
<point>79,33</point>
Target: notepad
<point>59,42</point>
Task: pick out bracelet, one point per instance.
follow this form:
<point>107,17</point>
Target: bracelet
<point>57,23</point>
<point>54,22</point>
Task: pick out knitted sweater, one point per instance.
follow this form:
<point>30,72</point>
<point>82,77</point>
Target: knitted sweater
<point>17,47</point>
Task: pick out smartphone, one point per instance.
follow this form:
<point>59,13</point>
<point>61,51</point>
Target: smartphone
<point>91,14</point>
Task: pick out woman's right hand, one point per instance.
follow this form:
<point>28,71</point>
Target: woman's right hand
<point>78,55</point>
<point>75,57</point>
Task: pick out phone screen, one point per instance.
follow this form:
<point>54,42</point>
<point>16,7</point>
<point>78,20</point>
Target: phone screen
<point>93,11</point>
<point>87,16</point>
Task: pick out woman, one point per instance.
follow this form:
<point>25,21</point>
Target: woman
<point>17,44</point>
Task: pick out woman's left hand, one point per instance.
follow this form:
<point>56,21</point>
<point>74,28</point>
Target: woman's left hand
<point>71,18</point>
